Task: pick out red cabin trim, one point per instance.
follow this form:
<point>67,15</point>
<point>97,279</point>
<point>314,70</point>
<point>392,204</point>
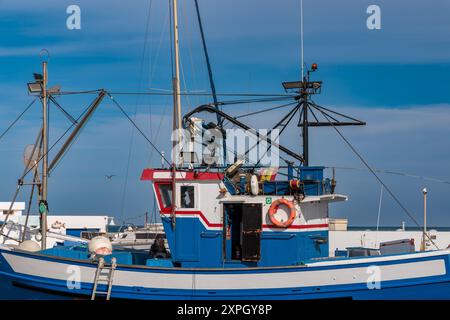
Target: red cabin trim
<point>166,174</point>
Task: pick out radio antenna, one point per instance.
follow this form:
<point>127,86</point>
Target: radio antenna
<point>301,39</point>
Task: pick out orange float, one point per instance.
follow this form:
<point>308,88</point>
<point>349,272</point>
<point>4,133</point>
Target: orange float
<point>274,208</point>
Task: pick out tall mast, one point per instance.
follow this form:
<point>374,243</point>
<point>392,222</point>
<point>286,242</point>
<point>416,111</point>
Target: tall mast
<point>176,84</point>
<point>43,207</point>
<point>176,156</point>
<point>304,95</point>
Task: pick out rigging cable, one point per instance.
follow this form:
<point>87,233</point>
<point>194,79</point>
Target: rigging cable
<point>265,110</point>
<point>170,93</point>
<point>18,118</point>
<point>150,81</point>
<point>130,146</point>
<point>20,181</point>
<point>374,173</point>
<point>136,126</point>
<point>393,173</point>
<point>379,213</point>
<point>208,63</point>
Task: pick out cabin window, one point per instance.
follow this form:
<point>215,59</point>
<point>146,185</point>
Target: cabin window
<point>187,197</point>
<point>166,195</point>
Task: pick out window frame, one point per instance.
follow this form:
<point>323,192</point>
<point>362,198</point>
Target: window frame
<point>196,196</point>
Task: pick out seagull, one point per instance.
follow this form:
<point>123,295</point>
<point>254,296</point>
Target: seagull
<point>109,176</point>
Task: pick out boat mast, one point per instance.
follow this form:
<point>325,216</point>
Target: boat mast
<point>43,205</point>
<point>177,155</point>
<point>177,160</point>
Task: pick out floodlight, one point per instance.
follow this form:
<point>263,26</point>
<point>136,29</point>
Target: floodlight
<point>34,87</point>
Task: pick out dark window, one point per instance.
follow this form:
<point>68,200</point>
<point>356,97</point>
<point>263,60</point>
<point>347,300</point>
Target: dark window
<point>187,197</point>
<point>166,195</point>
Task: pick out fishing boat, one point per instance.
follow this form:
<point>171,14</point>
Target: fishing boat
<point>139,238</point>
<point>235,230</point>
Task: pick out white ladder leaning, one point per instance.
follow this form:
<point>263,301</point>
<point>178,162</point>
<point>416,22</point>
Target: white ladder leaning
<point>103,277</point>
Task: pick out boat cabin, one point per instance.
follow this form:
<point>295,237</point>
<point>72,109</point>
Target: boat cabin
<point>214,223</point>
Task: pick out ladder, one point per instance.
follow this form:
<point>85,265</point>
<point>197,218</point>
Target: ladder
<point>104,277</point>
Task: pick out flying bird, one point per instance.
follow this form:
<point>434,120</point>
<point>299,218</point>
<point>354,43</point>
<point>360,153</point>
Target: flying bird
<point>109,176</point>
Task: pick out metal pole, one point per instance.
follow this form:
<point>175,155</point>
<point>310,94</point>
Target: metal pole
<point>43,218</point>
<point>305,121</point>
<point>176,83</point>
<point>424,236</point>
<point>177,158</point>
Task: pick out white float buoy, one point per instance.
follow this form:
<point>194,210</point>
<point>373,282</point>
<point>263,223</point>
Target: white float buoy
<point>254,185</point>
<point>100,245</point>
<point>29,245</point>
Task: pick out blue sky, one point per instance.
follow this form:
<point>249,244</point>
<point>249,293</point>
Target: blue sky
<point>397,79</point>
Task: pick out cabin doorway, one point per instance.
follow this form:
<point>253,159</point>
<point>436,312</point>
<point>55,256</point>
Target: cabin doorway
<point>242,231</point>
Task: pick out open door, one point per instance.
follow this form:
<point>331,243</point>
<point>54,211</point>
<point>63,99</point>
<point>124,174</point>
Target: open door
<point>251,232</point>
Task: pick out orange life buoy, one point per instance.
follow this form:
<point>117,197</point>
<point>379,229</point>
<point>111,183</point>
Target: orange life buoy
<point>274,208</point>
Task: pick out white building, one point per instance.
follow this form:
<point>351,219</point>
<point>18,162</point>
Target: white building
<point>61,224</point>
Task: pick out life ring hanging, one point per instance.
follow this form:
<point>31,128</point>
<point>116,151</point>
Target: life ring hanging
<point>274,208</point>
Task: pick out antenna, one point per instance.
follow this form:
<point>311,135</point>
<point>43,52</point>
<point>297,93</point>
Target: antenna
<point>305,89</point>
<point>301,39</point>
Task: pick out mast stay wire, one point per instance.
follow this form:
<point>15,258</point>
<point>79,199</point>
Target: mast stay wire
<point>170,93</point>
<point>393,173</point>
<point>130,145</point>
<point>64,112</point>
<point>243,156</point>
<point>20,181</point>
<point>191,59</point>
<point>150,80</point>
<point>396,199</point>
<point>28,169</point>
<point>379,213</point>
<point>18,118</point>
<point>288,117</point>
<point>265,110</point>
<point>136,126</point>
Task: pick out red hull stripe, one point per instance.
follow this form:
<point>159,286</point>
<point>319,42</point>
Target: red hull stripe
<point>199,213</point>
<point>266,226</point>
<point>304,226</point>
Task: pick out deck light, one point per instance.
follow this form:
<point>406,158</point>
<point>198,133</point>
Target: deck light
<point>34,87</point>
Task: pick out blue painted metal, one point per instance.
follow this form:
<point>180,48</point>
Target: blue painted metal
<point>197,247</point>
<point>312,177</point>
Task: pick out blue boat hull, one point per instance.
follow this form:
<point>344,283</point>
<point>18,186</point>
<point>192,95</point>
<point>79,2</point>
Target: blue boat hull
<point>20,285</point>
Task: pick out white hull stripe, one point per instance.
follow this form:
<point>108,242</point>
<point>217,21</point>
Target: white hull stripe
<point>230,281</point>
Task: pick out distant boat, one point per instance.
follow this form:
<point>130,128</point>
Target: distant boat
<point>140,238</point>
